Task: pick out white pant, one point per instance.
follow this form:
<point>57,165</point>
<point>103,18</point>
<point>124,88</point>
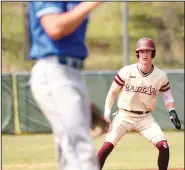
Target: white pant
<point>62,96</point>
<point>144,124</point>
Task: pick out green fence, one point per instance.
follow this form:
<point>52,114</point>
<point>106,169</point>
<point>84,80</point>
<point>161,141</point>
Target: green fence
<point>7,105</point>
<point>20,113</point>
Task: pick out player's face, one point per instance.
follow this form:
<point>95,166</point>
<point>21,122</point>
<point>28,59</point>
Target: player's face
<point>145,57</point>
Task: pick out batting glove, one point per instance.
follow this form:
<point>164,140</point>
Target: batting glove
<point>174,118</point>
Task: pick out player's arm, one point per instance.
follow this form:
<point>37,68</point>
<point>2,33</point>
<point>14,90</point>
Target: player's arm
<point>117,84</point>
<point>170,104</point>
<point>62,24</point>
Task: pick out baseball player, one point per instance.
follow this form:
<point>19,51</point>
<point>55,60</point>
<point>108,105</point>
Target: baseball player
<point>57,34</point>
<point>138,86</point>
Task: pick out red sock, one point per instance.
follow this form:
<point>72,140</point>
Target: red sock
<point>105,150</point>
<point>163,157</point>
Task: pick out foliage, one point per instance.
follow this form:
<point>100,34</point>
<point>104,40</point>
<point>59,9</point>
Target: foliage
<point>163,21</point>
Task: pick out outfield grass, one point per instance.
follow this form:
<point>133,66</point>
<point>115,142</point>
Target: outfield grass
<point>37,152</point>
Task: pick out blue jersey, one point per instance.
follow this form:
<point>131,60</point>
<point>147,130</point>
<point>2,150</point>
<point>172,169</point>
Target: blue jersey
<point>42,45</point>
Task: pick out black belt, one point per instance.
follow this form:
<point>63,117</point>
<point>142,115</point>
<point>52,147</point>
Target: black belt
<point>137,112</point>
<point>71,61</point>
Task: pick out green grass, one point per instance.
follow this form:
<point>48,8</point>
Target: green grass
<point>37,152</point>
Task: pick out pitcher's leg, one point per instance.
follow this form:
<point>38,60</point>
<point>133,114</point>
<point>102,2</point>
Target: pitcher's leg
<point>68,113</point>
<point>153,133</point>
<point>65,151</point>
<point>62,162</point>
<point>75,117</point>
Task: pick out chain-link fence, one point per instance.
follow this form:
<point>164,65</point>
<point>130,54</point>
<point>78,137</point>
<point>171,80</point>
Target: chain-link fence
<point>20,113</point>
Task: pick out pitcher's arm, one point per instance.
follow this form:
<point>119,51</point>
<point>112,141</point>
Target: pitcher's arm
<point>59,25</point>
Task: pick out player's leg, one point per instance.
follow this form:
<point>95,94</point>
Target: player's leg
<point>62,161</point>
<point>150,130</point>
<point>68,111</point>
<point>76,124</point>
<point>116,130</point>
<point>44,101</point>
<point>72,135</point>
<point>164,154</point>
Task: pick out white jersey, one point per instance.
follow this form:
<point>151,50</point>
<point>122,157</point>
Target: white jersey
<point>139,91</point>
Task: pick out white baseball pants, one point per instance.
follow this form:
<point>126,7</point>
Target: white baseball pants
<point>63,98</point>
<point>126,121</point>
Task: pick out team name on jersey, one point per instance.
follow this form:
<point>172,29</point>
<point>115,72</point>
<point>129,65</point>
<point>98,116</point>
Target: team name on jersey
<point>146,90</point>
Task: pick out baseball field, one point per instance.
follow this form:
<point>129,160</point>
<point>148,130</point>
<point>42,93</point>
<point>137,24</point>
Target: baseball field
<point>37,152</point>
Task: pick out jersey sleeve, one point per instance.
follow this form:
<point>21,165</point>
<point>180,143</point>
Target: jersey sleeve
<point>48,7</point>
<point>120,77</point>
<point>166,85</point>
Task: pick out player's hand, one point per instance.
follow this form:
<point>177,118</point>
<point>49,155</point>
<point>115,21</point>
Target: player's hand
<point>175,120</point>
<point>108,123</point>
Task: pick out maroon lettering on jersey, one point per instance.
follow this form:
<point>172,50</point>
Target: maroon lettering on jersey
<point>146,90</point>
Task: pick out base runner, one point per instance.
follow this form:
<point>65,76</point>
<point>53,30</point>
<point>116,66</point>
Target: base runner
<point>138,86</point>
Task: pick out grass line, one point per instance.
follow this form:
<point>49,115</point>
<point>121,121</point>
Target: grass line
<point>54,165</point>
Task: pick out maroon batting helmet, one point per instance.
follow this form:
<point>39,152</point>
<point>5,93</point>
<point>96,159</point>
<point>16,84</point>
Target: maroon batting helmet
<point>145,44</point>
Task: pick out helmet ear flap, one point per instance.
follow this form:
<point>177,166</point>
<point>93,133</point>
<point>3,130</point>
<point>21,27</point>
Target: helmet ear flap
<point>153,54</point>
<point>137,54</point>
